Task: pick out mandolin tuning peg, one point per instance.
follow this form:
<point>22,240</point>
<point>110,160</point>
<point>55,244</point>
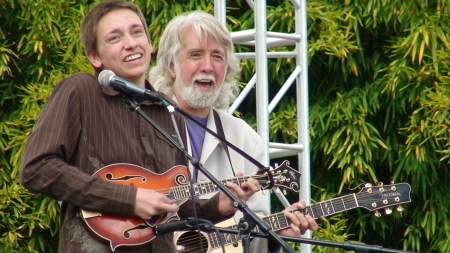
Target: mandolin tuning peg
<point>368,185</point>
<point>284,192</point>
<point>392,182</point>
<point>400,208</point>
<point>380,184</point>
<point>377,214</point>
<point>387,211</point>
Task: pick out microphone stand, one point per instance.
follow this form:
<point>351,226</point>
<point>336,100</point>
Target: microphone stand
<point>251,219</point>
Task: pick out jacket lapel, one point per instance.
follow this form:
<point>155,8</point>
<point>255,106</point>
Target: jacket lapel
<point>210,142</point>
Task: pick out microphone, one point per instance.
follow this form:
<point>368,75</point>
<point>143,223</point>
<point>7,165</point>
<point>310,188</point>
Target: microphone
<point>107,78</point>
<point>170,227</point>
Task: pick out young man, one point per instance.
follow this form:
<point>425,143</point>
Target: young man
<point>85,127</point>
<point>196,66</point>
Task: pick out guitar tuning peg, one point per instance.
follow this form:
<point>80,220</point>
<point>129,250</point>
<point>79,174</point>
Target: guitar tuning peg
<point>377,214</point>
<point>400,208</point>
<point>387,211</point>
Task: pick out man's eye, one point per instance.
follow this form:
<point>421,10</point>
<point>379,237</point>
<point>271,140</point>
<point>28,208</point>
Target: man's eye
<point>113,38</point>
<point>218,57</point>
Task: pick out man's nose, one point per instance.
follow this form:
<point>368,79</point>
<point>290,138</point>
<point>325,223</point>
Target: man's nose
<point>206,65</point>
<point>130,42</point>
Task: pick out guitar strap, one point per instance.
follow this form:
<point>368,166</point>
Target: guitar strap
<point>221,133</point>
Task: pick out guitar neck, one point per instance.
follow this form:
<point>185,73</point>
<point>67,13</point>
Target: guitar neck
<point>184,191</point>
<point>279,220</point>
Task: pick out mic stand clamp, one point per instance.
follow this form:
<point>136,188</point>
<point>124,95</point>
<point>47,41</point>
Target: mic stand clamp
<point>245,227</point>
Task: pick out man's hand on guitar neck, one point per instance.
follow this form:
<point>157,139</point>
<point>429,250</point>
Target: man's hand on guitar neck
<point>244,192</point>
<point>150,203</point>
<point>300,222</point>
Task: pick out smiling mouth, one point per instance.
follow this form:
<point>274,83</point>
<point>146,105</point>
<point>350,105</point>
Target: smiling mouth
<point>204,83</point>
<point>133,57</point>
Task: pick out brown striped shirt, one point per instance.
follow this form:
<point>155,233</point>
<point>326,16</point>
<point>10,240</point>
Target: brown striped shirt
<point>84,127</point>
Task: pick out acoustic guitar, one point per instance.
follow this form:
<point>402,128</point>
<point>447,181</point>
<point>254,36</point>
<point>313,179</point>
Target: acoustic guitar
<point>133,231</point>
<point>371,198</point>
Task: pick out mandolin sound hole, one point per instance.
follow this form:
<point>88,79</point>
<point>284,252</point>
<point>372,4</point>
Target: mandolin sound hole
<point>190,242</point>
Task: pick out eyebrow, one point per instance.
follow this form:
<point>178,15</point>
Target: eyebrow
<point>197,50</point>
<point>132,27</point>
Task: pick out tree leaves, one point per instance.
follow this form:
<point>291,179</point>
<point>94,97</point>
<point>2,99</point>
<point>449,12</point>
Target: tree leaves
<point>379,105</point>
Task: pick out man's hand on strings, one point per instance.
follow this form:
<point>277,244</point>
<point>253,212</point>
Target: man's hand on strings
<point>244,192</point>
<point>300,222</point>
<point>150,203</point>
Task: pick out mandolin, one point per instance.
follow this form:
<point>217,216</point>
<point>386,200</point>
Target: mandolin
<point>174,183</point>
<point>371,198</point>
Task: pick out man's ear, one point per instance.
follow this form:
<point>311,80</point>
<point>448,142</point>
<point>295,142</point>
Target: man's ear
<point>95,60</point>
<point>172,71</point>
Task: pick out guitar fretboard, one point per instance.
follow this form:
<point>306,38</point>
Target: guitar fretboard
<point>279,221</point>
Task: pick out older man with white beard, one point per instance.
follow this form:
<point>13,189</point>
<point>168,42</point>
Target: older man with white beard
<point>197,67</point>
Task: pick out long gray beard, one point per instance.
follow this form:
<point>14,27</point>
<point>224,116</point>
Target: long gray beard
<point>196,98</point>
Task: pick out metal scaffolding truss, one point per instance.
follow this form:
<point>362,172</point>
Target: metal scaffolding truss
<point>262,40</point>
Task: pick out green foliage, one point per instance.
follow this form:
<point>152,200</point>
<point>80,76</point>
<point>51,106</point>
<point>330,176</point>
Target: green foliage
<point>379,106</point>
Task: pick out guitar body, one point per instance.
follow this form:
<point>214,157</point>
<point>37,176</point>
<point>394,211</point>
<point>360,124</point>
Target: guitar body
<point>187,241</point>
<point>132,230</point>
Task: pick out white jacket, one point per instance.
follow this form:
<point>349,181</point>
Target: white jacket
<point>215,160</point>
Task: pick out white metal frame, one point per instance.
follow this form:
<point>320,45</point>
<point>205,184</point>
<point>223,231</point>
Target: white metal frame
<point>262,39</point>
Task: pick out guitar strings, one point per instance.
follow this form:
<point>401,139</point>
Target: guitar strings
<point>188,241</point>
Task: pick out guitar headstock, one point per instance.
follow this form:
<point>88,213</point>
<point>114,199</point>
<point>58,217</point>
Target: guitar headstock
<point>383,196</point>
<point>283,176</point>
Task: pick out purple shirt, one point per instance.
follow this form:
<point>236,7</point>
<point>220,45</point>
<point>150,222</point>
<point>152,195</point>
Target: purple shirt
<point>197,136</point>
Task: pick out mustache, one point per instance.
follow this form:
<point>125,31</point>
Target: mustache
<point>203,77</point>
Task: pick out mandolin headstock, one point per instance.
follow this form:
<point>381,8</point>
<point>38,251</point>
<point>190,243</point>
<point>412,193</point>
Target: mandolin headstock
<point>283,176</point>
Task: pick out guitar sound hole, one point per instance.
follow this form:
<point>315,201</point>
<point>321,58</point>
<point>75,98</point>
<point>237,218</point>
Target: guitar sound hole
<point>190,242</point>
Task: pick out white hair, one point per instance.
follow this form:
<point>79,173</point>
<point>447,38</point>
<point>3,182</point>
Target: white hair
<point>204,25</point>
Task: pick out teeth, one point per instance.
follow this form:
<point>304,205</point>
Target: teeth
<point>133,57</point>
<point>204,81</point>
